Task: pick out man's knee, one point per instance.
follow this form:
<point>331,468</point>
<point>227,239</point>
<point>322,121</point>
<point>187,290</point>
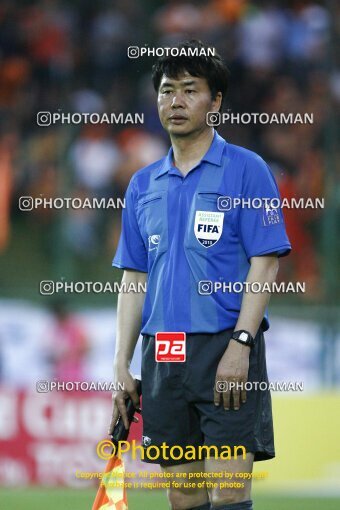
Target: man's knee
<point>229,496</point>
<point>177,499</point>
<point>185,500</point>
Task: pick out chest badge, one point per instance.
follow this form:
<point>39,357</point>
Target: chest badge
<point>208,227</point>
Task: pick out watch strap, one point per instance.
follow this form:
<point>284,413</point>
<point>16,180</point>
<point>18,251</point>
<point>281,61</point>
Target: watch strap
<point>243,337</point>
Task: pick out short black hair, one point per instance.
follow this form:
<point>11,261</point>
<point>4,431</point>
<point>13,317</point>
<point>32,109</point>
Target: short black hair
<point>210,67</point>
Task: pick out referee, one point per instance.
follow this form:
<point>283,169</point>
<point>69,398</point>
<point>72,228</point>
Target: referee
<point>182,235</point>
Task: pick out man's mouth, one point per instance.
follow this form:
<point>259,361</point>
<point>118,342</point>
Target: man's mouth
<point>177,119</point>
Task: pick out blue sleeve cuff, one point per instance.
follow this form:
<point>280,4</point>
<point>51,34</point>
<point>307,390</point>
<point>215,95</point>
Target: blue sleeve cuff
<point>129,266</point>
<point>282,251</point>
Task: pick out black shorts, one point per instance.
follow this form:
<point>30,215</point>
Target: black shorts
<point>178,400</point>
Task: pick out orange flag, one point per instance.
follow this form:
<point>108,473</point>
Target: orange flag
<point>111,494</point>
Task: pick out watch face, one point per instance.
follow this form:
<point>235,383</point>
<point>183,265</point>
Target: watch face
<point>243,337</point>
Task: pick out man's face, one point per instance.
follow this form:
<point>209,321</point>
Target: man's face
<point>183,104</point>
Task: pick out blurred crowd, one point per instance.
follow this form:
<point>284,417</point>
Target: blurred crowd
<point>72,57</point>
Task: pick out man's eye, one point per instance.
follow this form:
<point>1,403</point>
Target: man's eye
<point>190,91</point>
<point>166,92</point>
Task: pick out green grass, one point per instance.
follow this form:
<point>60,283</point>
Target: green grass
<point>73,499</point>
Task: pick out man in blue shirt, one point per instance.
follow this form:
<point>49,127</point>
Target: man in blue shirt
<point>182,234</point>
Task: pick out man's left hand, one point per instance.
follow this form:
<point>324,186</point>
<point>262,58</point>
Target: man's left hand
<point>232,371</point>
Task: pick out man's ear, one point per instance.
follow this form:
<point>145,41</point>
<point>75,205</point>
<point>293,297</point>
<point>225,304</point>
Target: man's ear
<point>217,102</point>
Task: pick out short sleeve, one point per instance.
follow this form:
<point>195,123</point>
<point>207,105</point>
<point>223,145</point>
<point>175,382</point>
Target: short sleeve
<point>261,225</point>
<point>131,252</point>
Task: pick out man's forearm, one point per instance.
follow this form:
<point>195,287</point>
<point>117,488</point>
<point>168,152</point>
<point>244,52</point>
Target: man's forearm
<point>263,269</point>
<point>129,318</point>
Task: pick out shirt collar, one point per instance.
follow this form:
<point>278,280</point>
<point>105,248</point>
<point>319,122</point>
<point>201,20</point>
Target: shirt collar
<point>213,155</point>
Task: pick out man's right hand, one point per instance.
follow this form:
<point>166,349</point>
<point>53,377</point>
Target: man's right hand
<point>118,398</point>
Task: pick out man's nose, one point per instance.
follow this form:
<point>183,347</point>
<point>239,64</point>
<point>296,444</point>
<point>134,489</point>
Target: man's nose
<point>177,101</point>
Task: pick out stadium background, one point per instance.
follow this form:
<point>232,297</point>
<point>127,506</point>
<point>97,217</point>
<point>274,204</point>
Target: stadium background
<point>72,57</point>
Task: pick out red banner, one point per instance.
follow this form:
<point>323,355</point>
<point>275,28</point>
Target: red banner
<point>48,438</point>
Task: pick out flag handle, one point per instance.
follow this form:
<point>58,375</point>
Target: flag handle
<point>120,433</point>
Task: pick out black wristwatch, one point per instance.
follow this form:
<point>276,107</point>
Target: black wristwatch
<point>243,337</point>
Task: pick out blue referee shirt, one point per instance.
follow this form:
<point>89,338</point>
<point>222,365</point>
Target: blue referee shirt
<point>173,229</point>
